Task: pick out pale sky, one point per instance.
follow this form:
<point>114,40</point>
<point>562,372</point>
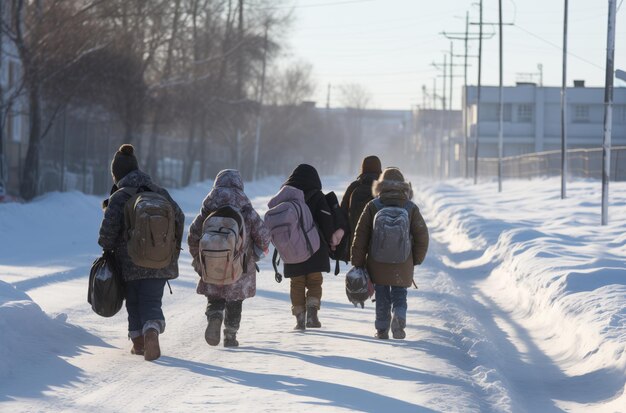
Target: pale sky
<point>389,45</point>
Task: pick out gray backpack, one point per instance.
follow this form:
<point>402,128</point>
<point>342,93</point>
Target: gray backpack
<point>291,226</point>
<point>149,222</point>
<point>391,233</point>
<point>222,247</point>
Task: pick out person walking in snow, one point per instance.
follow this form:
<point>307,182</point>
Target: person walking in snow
<point>391,238</point>
<point>306,276</point>
<point>359,193</point>
<point>137,210</point>
<point>225,298</point>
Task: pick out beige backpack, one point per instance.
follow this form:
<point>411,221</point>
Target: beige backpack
<point>222,247</point>
<point>149,221</point>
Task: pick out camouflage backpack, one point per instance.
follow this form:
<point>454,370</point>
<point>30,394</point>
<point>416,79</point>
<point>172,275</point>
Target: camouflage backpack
<point>391,233</point>
<point>222,247</point>
<point>149,222</point>
<point>359,286</point>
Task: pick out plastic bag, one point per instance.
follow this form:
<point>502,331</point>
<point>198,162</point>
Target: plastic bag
<point>106,288</point>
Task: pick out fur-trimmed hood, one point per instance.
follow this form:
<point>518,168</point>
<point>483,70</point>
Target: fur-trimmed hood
<point>387,189</point>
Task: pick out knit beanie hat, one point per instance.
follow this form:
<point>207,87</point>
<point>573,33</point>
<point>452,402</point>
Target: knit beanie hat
<point>391,174</point>
<point>371,164</point>
<point>124,162</point>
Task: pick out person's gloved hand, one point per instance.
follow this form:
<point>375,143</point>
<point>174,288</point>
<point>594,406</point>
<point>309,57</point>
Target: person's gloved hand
<point>336,238</point>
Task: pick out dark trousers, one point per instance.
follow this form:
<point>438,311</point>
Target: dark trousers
<point>388,299</point>
<point>232,318</point>
<point>143,303</point>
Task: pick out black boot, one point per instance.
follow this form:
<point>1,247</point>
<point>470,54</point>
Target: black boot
<point>397,327</point>
<point>212,332</point>
<point>300,321</point>
<point>232,320</point>
<point>311,318</point>
<point>382,334</point>
<point>230,339</point>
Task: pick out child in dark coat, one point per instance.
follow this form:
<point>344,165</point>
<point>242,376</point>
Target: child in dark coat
<point>306,277</point>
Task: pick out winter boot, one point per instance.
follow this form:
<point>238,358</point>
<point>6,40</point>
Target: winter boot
<point>311,318</point>
<point>397,327</point>
<point>152,351</point>
<point>230,339</point>
<point>300,319</point>
<point>382,334</point>
<point>138,346</point>
<point>212,332</point>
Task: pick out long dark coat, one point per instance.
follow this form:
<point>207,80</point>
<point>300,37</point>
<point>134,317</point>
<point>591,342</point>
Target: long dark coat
<point>306,179</point>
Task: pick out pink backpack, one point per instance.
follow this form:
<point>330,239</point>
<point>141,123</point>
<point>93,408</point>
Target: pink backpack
<point>292,229</point>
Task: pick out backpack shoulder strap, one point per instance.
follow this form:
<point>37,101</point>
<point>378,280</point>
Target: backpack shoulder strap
<point>130,191</point>
<point>275,262</point>
<point>378,204</point>
<point>409,206</point>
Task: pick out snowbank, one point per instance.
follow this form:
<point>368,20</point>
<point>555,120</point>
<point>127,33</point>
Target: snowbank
<point>548,264</point>
<point>32,346</point>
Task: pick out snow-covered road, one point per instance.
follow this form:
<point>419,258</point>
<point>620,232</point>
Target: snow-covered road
<point>521,307</point>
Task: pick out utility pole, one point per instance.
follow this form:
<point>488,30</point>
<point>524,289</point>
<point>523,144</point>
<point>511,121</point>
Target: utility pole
<point>564,108</point>
<point>451,72</point>
<point>608,111</point>
<point>481,23</point>
<point>257,140</point>
<point>328,98</point>
<point>501,102</point>
<point>443,94</point>
<point>465,37</point>
<point>480,66</point>
<point>465,135</point>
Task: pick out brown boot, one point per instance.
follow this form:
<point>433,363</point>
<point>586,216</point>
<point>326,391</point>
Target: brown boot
<point>300,321</point>
<point>152,351</point>
<point>311,318</point>
<point>137,346</point>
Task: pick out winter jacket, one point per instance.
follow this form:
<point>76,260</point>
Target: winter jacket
<point>391,193</point>
<point>306,179</point>
<point>228,191</point>
<point>365,181</point>
<point>112,229</point>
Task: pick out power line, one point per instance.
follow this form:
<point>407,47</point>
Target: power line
<point>557,46</point>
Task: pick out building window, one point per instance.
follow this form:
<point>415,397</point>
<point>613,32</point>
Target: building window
<point>581,113</point>
<point>525,113</point>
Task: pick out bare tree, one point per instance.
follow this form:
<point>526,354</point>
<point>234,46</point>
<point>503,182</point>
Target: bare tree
<point>50,38</point>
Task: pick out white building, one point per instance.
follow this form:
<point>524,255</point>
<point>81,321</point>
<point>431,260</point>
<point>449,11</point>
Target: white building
<point>532,118</point>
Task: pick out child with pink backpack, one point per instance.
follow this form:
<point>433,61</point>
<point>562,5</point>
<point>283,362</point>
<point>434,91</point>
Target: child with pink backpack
<point>302,230</point>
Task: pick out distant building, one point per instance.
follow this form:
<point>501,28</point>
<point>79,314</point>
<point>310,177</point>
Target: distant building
<point>385,133</point>
<point>532,118</point>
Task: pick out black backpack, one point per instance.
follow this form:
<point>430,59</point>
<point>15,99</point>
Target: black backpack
<point>106,288</point>
<point>359,198</point>
<point>342,252</point>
